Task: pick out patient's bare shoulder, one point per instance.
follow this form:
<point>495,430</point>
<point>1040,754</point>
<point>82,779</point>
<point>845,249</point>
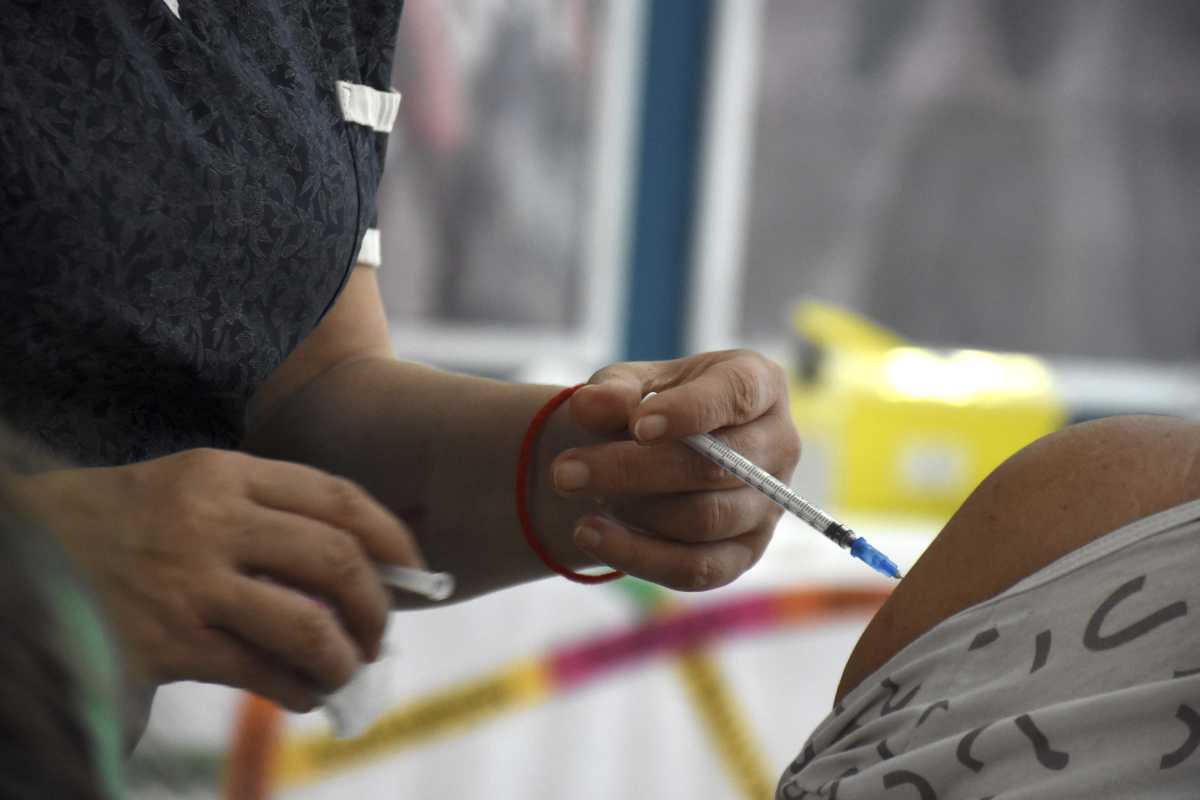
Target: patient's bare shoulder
<point>1050,498</point>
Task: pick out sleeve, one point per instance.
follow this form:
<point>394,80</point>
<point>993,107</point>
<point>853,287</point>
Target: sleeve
<point>372,102</point>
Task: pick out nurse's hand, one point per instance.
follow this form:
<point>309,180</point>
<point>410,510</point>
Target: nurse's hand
<point>220,567</point>
<point>684,522</point>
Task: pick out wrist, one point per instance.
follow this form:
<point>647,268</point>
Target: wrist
<point>29,493</point>
<point>555,516</point>
<point>51,500</point>
<point>549,518</point>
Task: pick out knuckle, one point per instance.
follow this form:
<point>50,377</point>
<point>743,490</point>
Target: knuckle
<point>316,632</point>
<point>204,471</point>
<point>713,514</point>
<point>710,413</point>
<point>703,573</point>
<point>777,446</point>
<point>745,392</point>
<point>753,442</point>
<point>777,375</point>
<point>791,446</point>
<point>715,475</point>
<point>343,558</point>
<point>703,472</point>
<point>375,624</point>
<point>620,370</point>
<point>243,536</point>
<point>189,597</point>
<point>719,476</point>
<point>599,375</point>
<point>185,504</point>
<point>209,460</point>
<point>754,363</point>
<point>185,518</point>
<point>731,354</point>
<point>345,498</point>
<point>774,514</point>
<point>314,626</point>
<point>199,457</point>
<point>408,540</point>
<point>173,657</point>
<point>611,372</point>
<point>625,467</point>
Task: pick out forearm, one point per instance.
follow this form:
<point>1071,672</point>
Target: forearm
<point>441,451</point>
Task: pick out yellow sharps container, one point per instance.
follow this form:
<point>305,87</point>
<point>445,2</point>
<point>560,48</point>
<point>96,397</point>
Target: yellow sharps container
<point>905,430</point>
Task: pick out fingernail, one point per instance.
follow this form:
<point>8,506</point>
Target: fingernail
<point>587,538</point>
<point>649,428</point>
<point>570,475</point>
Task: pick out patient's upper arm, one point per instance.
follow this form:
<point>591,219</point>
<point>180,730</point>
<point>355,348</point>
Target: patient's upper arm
<point>1052,497</point>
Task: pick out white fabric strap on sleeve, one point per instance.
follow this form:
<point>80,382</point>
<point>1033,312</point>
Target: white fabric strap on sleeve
<point>368,106</point>
<point>369,253</point>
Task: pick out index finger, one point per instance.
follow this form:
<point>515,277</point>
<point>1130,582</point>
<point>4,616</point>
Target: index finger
<point>339,502</point>
<point>727,394</point>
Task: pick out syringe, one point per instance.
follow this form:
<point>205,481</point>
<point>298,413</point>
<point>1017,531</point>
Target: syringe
<point>779,493</point>
<point>753,475</point>
<point>433,585</point>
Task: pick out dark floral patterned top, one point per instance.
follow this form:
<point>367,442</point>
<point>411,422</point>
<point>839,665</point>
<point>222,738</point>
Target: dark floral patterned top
<point>181,199</point>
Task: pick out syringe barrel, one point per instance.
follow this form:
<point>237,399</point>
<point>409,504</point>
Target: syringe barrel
<point>433,585</point>
<point>749,472</point>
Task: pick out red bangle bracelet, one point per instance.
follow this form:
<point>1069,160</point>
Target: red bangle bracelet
<point>535,425</point>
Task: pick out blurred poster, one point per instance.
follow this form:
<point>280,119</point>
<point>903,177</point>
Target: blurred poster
<point>484,205</point>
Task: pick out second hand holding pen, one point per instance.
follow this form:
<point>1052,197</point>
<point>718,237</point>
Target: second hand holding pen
<point>779,493</point>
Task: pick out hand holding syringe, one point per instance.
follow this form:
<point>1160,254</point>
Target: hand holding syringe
<point>779,493</point>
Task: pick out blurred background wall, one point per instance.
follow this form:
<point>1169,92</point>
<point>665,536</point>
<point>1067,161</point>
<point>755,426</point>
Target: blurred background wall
<point>1008,174</point>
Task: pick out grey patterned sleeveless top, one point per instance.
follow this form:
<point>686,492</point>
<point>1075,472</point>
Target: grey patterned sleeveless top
<point>182,196</point>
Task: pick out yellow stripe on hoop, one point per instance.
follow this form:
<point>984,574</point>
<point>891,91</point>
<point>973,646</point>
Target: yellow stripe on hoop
<point>304,759</point>
<point>727,725</point>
